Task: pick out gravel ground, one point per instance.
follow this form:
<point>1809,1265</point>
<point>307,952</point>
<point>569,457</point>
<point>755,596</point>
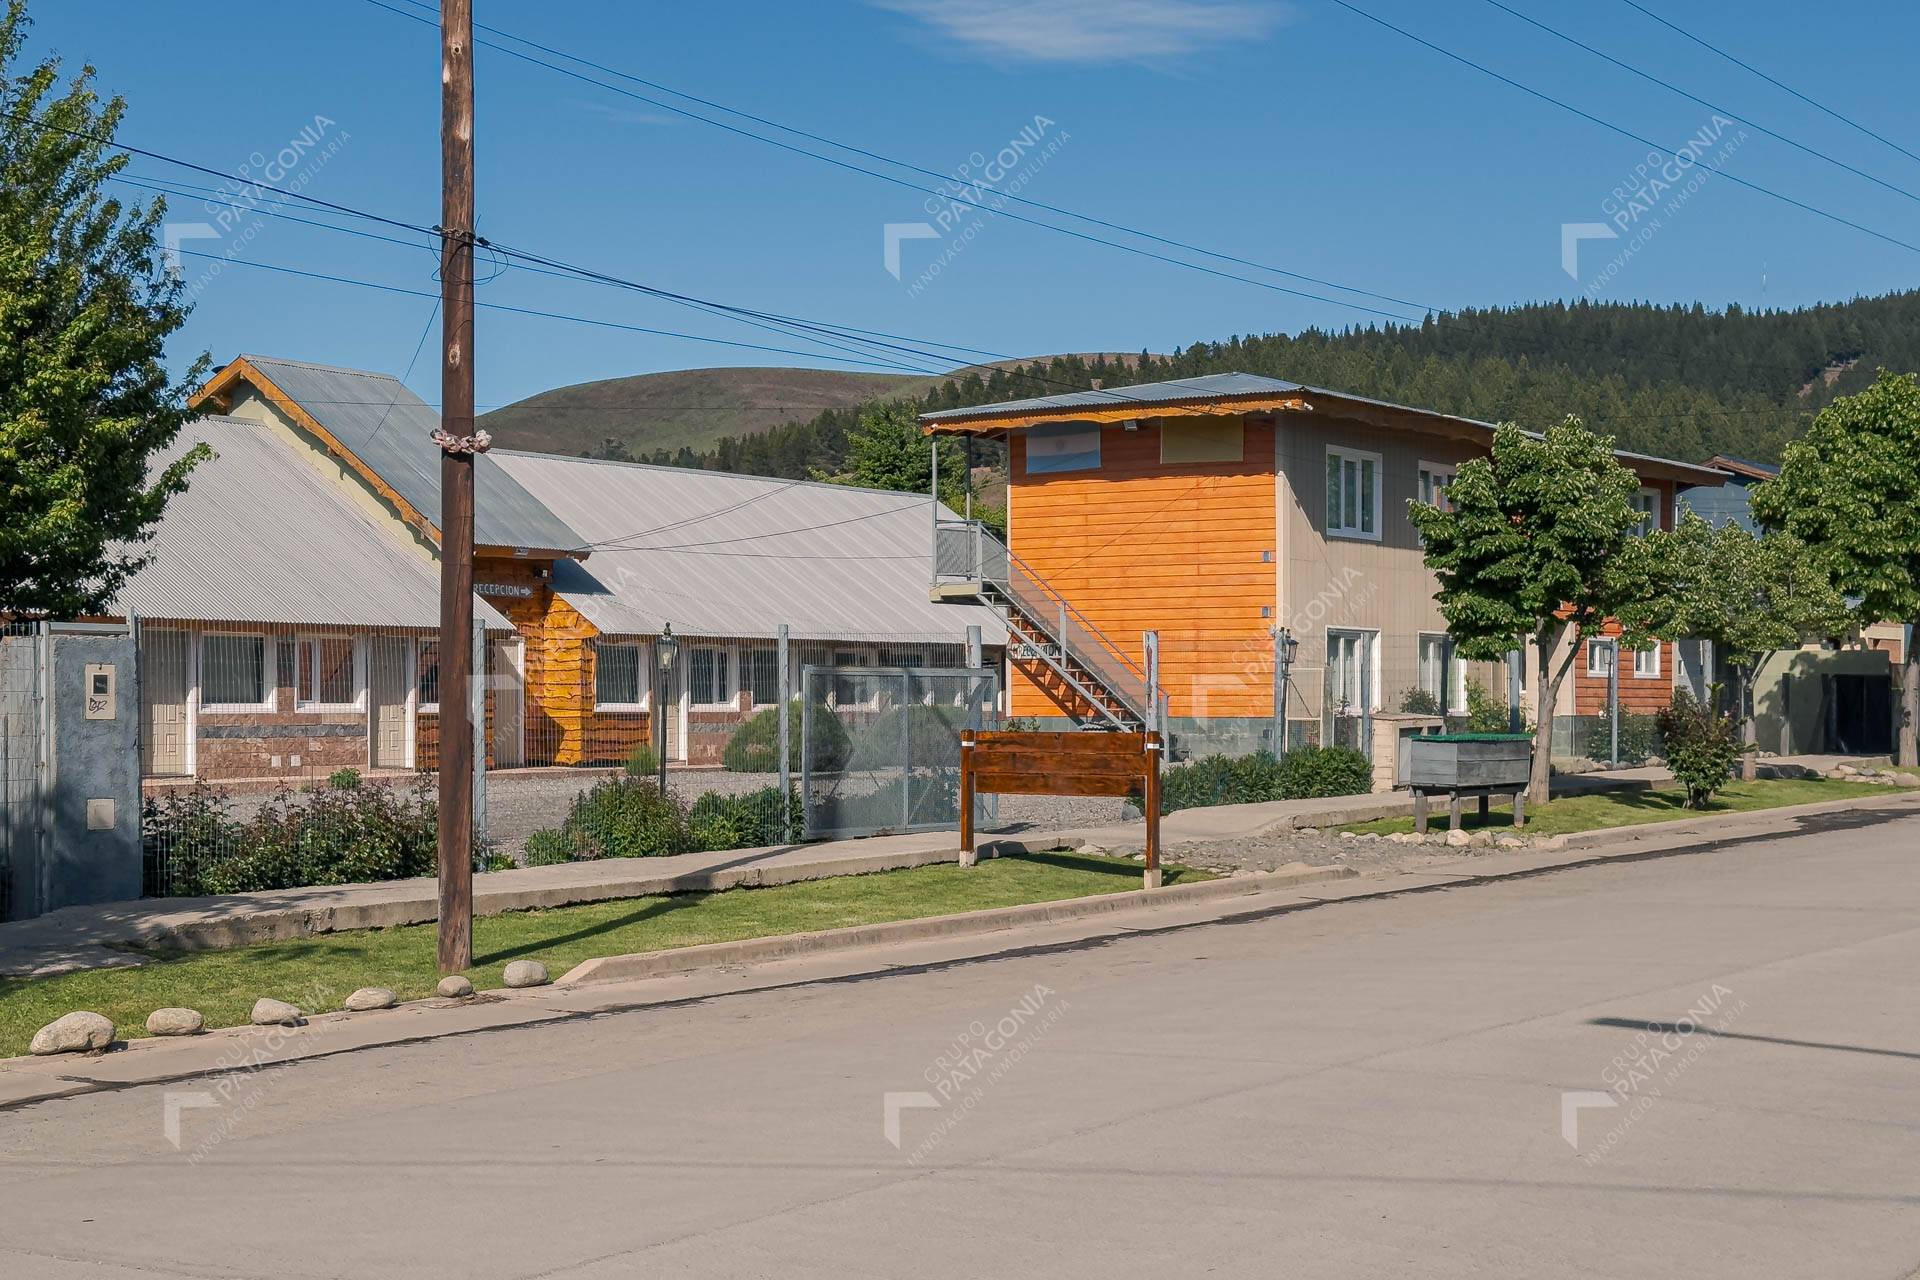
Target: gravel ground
<point>1322,849</point>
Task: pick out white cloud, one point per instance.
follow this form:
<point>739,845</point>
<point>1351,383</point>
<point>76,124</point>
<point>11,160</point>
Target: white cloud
<point>1090,31</point>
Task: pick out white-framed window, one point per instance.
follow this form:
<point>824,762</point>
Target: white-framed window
<point>1599,656</point>
<point>1353,671</point>
<point>1443,676</point>
<point>853,691</point>
<point>1353,494</point>
<point>1647,503</point>
<point>1435,479</point>
<point>426,675</point>
<point>620,672</point>
<point>760,675</point>
<point>326,673</point>
<point>235,672</point>
<point>1646,662</point>
<point>709,676</point>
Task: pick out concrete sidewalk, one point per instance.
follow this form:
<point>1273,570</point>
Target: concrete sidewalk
<point>95,936</point>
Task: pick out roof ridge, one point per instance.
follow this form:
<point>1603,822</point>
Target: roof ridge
<point>253,359</point>
<point>784,481</point>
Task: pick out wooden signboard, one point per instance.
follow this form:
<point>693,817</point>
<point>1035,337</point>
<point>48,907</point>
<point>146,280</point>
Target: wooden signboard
<point>1062,764</point>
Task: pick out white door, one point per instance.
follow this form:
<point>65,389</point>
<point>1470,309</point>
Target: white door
<point>387,689</point>
<point>163,702</point>
<point>506,674</point>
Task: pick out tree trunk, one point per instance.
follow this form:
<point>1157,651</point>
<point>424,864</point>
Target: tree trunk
<point>1909,713</point>
<point>1541,778</point>
<point>1749,724</point>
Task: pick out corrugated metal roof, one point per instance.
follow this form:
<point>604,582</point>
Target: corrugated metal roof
<point>1209,386</point>
<point>390,429</point>
<point>261,535</point>
<point>1222,386</point>
<point>726,555</point>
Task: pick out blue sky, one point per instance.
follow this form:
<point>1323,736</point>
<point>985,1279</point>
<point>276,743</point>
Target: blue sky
<point>1298,135</point>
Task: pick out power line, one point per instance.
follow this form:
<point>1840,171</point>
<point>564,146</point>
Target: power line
<point>1692,97</point>
<point>1749,67</point>
<point>940,195</point>
<point>873,155</point>
<point>1623,132</point>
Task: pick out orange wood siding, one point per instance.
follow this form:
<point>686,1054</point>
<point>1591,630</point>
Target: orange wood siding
<point>1138,545</point>
<point>559,694</point>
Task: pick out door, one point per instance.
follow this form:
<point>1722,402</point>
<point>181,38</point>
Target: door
<point>388,687</point>
<point>674,712</point>
<point>163,703</point>
<point>1346,710</point>
<point>506,678</point>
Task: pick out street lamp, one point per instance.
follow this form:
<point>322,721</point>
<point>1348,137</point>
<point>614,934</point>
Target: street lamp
<point>665,650</point>
<point>1285,646</point>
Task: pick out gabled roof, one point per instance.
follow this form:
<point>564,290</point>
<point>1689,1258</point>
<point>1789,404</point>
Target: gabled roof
<point>385,432</point>
<point>260,535</point>
<point>1235,393</point>
<point>723,555</point>
<point>1743,468</point>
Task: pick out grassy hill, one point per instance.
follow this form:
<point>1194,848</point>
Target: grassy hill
<point>685,409</point>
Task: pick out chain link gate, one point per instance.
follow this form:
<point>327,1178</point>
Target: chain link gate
<point>22,749</point>
<point>880,747</point>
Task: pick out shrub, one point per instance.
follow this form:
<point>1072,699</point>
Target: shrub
<point>1306,771</point>
<point>546,848</point>
<point>1419,702</point>
<point>348,832</point>
<point>720,821</point>
<point>1639,738</point>
<point>933,798</point>
<point>643,761</point>
<point>625,818</point>
<point>755,745</point>
<point>344,779</point>
<point>1702,747</point>
<point>1488,714</point>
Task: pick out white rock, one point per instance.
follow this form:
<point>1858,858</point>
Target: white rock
<point>1483,837</point>
<point>1844,771</point>
<point>274,1013</point>
<point>525,973</point>
<point>370,998</point>
<point>75,1032</point>
<point>175,1022</point>
<point>1907,779</point>
<point>455,987</point>
<point>1510,842</point>
<point>1459,839</point>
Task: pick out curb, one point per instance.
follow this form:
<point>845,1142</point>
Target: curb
<point>654,964</point>
<point>1641,832</point>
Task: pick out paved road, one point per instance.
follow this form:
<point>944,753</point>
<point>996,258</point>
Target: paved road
<point>1368,1089</point>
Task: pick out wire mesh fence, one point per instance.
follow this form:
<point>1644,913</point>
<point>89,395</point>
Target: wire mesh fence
<point>22,652</point>
<point>881,746</point>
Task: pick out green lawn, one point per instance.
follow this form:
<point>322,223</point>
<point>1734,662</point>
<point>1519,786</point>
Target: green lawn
<point>317,973</point>
<point>1629,808</point>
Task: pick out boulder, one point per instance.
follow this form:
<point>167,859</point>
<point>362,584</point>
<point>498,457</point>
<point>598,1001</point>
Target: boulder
<point>77,1032</point>
<point>455,987</point>
<point>1511,842</point>
<point>175,1022</point>
<point>1459,839</point>
<point>1843,771</point>
<point>370,998</point>
<point>275,1013</point>
<point>1907,779</point>
<point>525,973</point>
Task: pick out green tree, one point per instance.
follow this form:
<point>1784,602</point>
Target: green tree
<point>1542,542</point>
<point>1848,491</point>
<point>887,450</point>
<point>86,306</point>
<point>1749,596</point>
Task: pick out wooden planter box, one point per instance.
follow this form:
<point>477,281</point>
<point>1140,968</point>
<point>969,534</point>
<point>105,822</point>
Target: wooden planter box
<point>1456,761</point>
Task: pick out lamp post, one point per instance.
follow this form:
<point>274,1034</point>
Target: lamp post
<point>1284,648</point>
<point>665,650</point>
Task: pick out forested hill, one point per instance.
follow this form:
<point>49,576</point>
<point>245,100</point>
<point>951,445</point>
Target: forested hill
<point>1682,382</point>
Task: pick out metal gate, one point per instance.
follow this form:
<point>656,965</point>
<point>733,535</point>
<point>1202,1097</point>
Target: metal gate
<point>880,747</point>
<point>22,754</point>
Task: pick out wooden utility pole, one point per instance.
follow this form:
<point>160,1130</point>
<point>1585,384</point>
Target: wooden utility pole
<point>458,444</point>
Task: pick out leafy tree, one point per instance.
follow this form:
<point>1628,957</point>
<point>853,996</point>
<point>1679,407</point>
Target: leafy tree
<point>887,450</point>
<point>1848,492</point>
<point>86,306</point>
<point>1749,596</point>
<point>1541,542</point>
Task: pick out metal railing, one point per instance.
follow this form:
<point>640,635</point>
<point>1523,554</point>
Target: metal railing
<point>966,551</point>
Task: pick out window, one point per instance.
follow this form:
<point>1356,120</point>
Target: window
<point>1063,446</point>
<point>617,676</point>
<point>707,677</point>
<point>892,656</point>
<point>1353,494</point>
<point>760,672</point>
<point>1351,686</point>
<point>427,677</point>
<point>325,675</point>
<point>1599,657</point>
<point>233,673</point>
<point>1647,503</point>
<point>1646,662</point>
<point>850,691</point>
<point>1443,677</point>
<point>1434,482</point>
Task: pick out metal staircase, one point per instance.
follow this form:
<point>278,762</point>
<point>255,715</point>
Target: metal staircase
<point>1048,640</point>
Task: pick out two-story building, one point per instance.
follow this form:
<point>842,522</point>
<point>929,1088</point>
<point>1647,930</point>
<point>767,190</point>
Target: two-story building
<point>1260,528</point>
